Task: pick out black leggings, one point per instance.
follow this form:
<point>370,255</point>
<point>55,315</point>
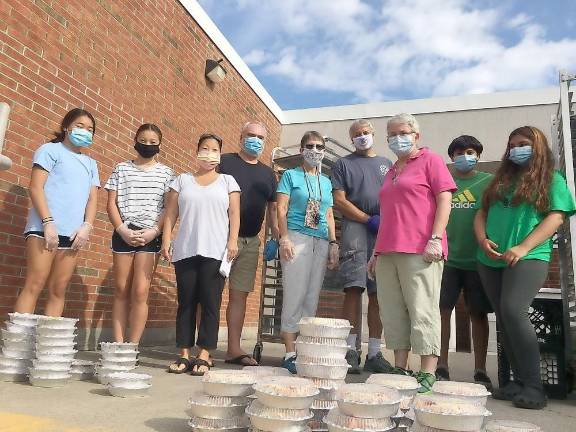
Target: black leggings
<point>198,281</point>
<point>511,291</point>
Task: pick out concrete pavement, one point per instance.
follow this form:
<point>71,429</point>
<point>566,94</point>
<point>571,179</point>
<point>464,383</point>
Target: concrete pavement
<point>86,406</point>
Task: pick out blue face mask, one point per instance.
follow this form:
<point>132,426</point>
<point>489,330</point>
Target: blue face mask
<point>253,146</point>
<point>465,163</point>
<point>401,145</point>
<point>80,137</point>
<point>521,155</point>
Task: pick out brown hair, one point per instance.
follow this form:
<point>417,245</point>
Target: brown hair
<point>530,183</point>
<point>151,127</point>
<point>311,135</point>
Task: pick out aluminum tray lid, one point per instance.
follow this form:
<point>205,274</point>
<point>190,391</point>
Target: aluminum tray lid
<point>258,409</point>
<point>289,387</point>
<point>51,319</point>
<point>325,322</point>
<point>321,361</point>
<point>511,426</point>
<point>368,394</point>
<point>399,382</point>
<point>312,340</point>
<point>229,376</point>
<point>456,388</point>
<point>336,418</point>
<point>448,406</point>
<point>322,405</point>
<point>202,399</point>
<point>129,376</point>
<point>265,371</point>
<point>240,422</point>
<point>83,363</point>
<point>327,384</point>
<point>128,346</point>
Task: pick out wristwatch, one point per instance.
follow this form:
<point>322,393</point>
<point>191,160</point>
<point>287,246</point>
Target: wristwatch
<point>435,237</point>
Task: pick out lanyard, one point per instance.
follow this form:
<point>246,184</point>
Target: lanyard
<point>309,186</point>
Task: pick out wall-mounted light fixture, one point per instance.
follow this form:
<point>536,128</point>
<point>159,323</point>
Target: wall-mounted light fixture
<point>214,71</point>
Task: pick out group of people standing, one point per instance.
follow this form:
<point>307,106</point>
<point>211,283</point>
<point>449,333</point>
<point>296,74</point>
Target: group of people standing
<point>399,220</point>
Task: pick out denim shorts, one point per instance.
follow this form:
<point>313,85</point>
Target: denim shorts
<point>64,242</point>
<point>118,245</point>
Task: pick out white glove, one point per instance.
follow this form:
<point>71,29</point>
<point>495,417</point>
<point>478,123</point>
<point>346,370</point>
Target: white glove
<point>50,236</point>
<point>286,249</point>
<point>129,236</point>
<point>333,256</point>
<point>433,251</point>
<point>146,235</point>
<point>372,268</point>
<point>81,236</point>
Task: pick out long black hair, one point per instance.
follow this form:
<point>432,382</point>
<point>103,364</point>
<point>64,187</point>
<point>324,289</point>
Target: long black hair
<point>70,118</point>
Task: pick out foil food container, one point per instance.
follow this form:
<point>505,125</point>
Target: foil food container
<point>325,327</point>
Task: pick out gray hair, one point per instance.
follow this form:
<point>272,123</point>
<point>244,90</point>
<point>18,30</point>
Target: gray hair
<point>253,123</point>
<point>406,119</point>
<point>360,123</point>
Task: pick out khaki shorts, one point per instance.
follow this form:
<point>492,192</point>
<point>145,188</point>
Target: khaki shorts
<point>243,271</point>
<point>408,295</point>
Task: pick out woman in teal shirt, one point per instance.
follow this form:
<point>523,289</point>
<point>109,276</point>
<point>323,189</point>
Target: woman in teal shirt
<point>522,208</point>
<point>307,238</point>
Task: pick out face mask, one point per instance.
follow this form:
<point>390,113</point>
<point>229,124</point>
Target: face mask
<point>521,155</point>
<point>363,142</point>
<point>208,160</point>
<point>147,151</point>
<point>401,145</point>
<point>313,157</point>
<point>253,146</point>
<point>80,137</point>
<point>465,163</point>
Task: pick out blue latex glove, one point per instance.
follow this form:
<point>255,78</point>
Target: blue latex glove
<point>373,223</point>
<point>271,249</point>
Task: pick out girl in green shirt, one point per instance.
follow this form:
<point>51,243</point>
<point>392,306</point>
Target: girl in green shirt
<point>522,208</point>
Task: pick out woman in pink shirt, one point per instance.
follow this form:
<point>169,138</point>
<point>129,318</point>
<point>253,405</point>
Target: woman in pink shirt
<point>411,247</point>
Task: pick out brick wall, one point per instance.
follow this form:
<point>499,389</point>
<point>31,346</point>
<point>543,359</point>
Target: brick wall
<point>127,62</point>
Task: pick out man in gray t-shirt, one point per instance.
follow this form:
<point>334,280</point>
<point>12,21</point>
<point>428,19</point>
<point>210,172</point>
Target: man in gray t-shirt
<point>356,182</point>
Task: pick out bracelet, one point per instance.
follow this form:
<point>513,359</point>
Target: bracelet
<point>333,242</point>
<point>47,219</point>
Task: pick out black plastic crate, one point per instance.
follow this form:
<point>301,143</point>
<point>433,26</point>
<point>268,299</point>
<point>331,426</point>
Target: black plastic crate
<point>547,317</point>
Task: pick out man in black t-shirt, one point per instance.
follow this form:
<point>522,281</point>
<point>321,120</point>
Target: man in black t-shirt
<point>258,193</point>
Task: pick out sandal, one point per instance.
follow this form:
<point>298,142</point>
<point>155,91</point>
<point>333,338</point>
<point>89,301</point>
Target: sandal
<point>175,367</point>
<point>198,363</point>
<point>240,360</point>
<point>530,398</point>
<point>508,392</point>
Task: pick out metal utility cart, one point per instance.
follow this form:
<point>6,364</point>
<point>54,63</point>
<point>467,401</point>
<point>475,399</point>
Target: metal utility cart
<point>271,282</point>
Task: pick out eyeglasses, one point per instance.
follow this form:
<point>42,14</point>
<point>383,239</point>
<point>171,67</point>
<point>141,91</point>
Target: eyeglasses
<point>315,146</point>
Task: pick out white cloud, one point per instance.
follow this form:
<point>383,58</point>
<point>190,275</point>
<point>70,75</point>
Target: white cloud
<point>397,48</point>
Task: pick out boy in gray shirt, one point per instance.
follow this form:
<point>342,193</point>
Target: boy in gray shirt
<point>356,182</point>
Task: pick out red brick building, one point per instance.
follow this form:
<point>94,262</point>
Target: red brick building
<point>126,62</point>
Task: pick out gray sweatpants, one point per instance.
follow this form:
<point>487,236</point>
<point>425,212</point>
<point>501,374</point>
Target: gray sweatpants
<point>511,291</point>
<point>302,279</point>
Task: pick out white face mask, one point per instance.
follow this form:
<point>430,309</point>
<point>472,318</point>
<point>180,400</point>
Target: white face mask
<point>313,157</point>
<point>363,142</point>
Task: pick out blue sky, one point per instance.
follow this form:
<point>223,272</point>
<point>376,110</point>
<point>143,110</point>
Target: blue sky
<point>313,53</point>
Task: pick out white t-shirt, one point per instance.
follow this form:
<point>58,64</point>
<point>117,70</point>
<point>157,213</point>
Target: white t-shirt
<point>203,213</point>
<point>140,191</point>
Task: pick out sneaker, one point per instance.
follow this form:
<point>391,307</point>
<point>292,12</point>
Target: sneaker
<point>290,364</point>
<point>401,371</point>
<point>481,377</point>
<point>443,374</point>
<point>377,364</point>
<point>353,359</point>
<point>426,381</point>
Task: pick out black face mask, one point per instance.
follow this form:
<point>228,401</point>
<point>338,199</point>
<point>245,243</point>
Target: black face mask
<point>147,151</point>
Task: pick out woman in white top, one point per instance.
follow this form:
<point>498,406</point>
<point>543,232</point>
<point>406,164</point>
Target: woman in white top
<point>208,205</point>
<point>136,192</point>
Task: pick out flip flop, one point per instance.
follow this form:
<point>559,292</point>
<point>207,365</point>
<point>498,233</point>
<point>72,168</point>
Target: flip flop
<point>181,361</point>
<point>199,362</point>
<point>238,360</point>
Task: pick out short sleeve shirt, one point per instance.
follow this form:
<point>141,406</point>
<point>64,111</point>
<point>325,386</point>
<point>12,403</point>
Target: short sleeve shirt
<point>361,177</point>
<point>258,184</point>
<point>460,230</point>
<point>71,176</point>
<point>140,191</point>
<point>300,187</point>
<point>408,204</point>
<point>203,213</point>
<point>508,225</point>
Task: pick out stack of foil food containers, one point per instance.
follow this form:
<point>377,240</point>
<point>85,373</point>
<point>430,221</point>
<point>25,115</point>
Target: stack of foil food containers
<point>407,386</point>
<point>221,405</point>
<point>116,357</point>
<point>282,404</point>
<point>55,343</point>
<point>364,408</point>
<point>128,384</point>
<point>18,346</point>
<point>321,356</point>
